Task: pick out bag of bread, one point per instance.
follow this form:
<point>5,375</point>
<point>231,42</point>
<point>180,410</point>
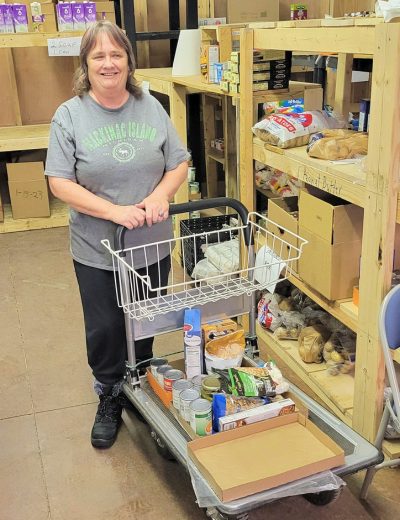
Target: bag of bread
<point>290,130</point>
<point>337,145</point>
<point>311,343</point>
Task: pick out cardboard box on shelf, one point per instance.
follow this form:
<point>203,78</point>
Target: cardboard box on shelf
<point>105,11</point>
<point>231,462</point>
<point>28,190</point>
<point>252,11</point>
<point>285,213</point>
<point>330,262</point>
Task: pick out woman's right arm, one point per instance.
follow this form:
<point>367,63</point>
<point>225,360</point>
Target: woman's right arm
<point>82,200</point>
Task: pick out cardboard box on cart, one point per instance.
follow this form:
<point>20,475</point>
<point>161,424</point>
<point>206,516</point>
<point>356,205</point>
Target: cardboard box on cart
<point>232,464</point>
<point>330,262</point>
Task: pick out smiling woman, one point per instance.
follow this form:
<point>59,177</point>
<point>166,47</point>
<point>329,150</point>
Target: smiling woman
<point>116,159</point>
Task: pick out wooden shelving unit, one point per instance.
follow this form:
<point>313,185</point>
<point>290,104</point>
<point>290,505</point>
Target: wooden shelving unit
<point>59,217</point>
<point>375,190</point>
<point>29,137</point>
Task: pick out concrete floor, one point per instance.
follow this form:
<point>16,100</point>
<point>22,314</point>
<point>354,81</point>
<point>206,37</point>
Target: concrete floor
<point>48,468</point>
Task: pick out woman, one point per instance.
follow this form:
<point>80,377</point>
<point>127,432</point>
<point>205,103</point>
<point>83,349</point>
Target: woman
<point>115,159</point>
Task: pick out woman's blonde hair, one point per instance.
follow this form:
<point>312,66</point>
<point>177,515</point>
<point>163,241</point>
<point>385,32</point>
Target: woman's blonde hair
<point>89,39</point>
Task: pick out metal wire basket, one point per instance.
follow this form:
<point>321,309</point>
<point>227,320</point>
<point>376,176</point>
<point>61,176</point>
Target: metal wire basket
<point>237,269</point>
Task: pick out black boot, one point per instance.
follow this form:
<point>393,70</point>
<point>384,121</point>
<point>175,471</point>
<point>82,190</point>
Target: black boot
<point>107,421</point>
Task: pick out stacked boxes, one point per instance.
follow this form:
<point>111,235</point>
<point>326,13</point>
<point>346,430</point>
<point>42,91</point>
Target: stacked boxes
<point>271,71</point>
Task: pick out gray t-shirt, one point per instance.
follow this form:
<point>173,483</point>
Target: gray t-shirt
<point>120,155</point>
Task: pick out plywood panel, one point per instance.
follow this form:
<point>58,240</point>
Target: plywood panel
<point>37,74</point>
<point>8,113</point>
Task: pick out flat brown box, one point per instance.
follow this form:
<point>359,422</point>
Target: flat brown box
<point>28,190</point>
<point>291,445</point>
<point>105,11</point>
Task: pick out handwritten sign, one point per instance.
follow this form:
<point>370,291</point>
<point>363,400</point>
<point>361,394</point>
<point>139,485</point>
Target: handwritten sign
<point>64,46</point>
<point>321,181</point>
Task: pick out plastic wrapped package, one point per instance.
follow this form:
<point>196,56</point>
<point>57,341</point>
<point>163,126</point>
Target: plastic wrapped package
<point>290,130</point>
<point>325,481</point>
<point>337,145</point>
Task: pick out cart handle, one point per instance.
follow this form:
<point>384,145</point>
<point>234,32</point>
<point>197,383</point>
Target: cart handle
<point>197,205</point>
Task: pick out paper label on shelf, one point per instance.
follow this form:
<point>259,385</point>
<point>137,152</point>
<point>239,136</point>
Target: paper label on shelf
<point>64,46</point>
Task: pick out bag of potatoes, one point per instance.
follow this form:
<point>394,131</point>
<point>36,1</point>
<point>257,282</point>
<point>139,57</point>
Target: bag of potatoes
<point>311,343</point>
<point>336,145</point>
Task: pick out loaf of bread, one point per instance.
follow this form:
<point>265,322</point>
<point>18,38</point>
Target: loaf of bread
<point>336,145</point>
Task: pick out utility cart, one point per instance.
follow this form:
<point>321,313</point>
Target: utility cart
<point>258,260</point>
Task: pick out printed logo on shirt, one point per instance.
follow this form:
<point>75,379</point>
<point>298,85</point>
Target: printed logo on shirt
<point>122,136</point>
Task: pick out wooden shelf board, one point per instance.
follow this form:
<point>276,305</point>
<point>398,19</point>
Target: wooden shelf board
<point>391,448</point>
<point>395,355</point>
<point>346,181</point>
<point>334,392</point>
<point>352,39</point>
<point>59,217</point>
<point>335,308</point>
<point>29,137</point>
<point>13,40</point>
<point>217,156</point>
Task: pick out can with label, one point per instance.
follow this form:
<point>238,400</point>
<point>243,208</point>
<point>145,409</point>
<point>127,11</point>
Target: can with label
<point>185,398</point>
<point>170,377</point>
<point>191,174</point>
<point>200,417</point>
<point>160,374</point>
<point>197,381</point>
<point>155,363</point>
<point>178,387</point>
<point>209,386</point>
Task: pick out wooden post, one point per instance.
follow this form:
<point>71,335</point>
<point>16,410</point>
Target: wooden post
<point>229,121</point>
<point>379,228</point>
<point>208,108</point>
<point>246,173</point>
<point>177,101</point>
<point>343,84</point>
<point>141,22</point>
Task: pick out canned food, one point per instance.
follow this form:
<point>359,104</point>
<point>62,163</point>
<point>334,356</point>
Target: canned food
<point>200,417</point>
<point>178,387</point>
<point>155,363</point>
<point>194,214</point>
<point>209,386</point>
<point>191,174</point>
<point>170,377</point>
<point>185,398</point>
<point>160,374</point>
<point>197,380</point>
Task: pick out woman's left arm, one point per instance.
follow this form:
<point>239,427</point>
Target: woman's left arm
<point>156,204</point>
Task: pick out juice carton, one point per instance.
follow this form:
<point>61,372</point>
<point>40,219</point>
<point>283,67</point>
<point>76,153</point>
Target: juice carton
<point>192,341</point>
<point>8,18</point>
<point>78,16</point>
<point>90,13</point>
<point>64,17</point>
<point>20,18</point>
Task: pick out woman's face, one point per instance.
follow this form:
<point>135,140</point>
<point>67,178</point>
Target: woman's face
<point>107,67</point>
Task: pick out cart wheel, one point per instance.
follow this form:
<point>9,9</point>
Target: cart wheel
<point>214,514</point>
<point>324,497</point>
<point>161,447</point>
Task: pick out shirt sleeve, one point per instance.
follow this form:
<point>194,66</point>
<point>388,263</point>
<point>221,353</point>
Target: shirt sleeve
<point>174,151</point>
<point>60,161</point>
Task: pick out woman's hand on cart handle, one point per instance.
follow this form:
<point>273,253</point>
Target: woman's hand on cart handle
<point>128,216</point>
<point>156,207</point>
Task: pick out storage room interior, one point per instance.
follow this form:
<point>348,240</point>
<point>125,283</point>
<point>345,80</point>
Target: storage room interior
<point>272,390</point>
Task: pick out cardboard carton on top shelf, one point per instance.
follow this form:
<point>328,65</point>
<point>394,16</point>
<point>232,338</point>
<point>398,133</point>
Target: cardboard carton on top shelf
<point>330,262</point>
<point>252,11</point>
<point>28,190</point>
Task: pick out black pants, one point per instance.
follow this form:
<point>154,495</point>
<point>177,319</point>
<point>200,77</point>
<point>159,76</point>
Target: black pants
<point>105,322</point>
